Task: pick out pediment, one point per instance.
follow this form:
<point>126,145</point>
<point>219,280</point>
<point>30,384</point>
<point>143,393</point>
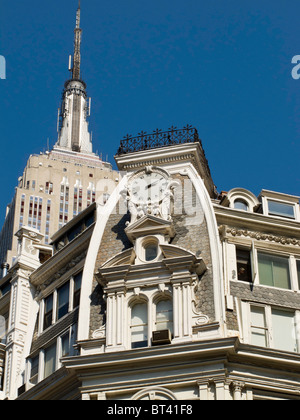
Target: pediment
<point>149,225</point>
<point>123,258</point>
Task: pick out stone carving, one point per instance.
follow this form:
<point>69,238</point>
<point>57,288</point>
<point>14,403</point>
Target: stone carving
<point>150,192</point>
<point>259,236</point>
<point>100,333</point>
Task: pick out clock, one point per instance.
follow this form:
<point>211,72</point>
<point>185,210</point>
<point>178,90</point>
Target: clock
<point>148,186</point>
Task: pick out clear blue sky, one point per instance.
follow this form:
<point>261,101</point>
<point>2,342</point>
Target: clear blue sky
<point>223,66</point>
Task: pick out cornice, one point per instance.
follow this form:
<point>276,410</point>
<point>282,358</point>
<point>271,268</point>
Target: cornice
<point>63,260</point>
<point>247,221</point>
<point>226,231</point>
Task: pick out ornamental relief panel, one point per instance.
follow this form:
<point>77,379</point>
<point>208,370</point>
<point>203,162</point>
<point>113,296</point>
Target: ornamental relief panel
<point>226,231</point>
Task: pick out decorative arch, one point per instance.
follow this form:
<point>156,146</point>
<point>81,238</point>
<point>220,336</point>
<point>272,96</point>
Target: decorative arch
<point>241,195</point>
<point>154,393</point>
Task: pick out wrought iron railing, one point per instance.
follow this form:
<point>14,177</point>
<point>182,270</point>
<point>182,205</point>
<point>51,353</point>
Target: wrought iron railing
<point>158,138</point>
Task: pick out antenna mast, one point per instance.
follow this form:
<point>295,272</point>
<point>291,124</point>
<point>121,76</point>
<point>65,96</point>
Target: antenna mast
<point>77,45</point>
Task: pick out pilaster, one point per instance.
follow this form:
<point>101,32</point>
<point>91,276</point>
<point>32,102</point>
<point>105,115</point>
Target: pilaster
<point>21,306</point>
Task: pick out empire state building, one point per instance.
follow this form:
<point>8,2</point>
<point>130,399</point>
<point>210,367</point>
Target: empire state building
<point>57,185</point>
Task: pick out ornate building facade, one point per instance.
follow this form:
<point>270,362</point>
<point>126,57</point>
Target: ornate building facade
<point>170,291</point>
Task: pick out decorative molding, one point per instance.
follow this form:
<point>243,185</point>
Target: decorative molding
<point>259,236</point>
<point>100,333</point>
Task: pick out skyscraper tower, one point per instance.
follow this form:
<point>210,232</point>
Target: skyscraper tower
<point>75,108</point>
<point>59,184</point>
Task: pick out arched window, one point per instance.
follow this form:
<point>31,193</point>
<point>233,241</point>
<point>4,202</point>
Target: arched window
<point>241,205</point>
<point>151,252</point>
<point>139,325</point>
<point>164,315</point>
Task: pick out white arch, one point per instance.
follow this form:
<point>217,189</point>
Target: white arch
<point>154,393</point>
<point>103,213</point>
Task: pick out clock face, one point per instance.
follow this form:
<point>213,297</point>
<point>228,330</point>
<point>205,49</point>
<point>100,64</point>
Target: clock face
<point>147,187</point>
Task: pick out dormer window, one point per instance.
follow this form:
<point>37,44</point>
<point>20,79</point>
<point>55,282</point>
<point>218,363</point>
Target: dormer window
<point>280,205</point>
<point>277,208</point>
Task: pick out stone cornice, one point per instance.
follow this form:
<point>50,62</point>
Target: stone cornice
<point>66,257</point>
<point>226,231</point>
<point>247,221</point>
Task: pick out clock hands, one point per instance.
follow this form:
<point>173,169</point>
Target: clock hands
<point>151,185</point>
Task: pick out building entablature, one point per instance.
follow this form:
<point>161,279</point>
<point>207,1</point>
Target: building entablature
<point>62,261</point>
<point>257,222</point>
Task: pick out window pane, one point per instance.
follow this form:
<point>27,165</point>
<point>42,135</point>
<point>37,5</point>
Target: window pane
<point>258,326</point>
<point>281,209</point>
<point>274,271</point>
<point>298,272</point>
<point>77,288</point>
<point>50,360</point>
<point>241,205</point>
<point>48,311</point>
<point>65,345</point>
<point>164,315</point>
<point>284,332</point>
<point>139,325</point>
<point>265,270</point>
<point>151,252</point>
<point>243,259</point>
<point>281,273</point>
<point>63,300</point>
<point>34,370</point>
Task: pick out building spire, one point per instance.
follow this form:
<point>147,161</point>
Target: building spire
<point>73,132</point>
<point>77,45</point>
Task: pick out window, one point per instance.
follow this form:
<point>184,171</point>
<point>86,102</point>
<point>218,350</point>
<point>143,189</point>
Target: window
<point>34,370</point>
<point>164,315</point>
<point>273,327</point>
<point>298,272</point>
<point>139,325</point>
<point>274,271</point>
<point>22,210</point>
<point>50,360</point>
<point>63,300</point>
<point>243,259</point>
<point>77,288</point>
<point>48,311</point>
<point>284,332</point>
<point>241,205</point>
<point>64,202</point>
<point>258,326</point>
<point>281,209</point>
<point>151,252</point>
<point>47,361</point>
<point>65,345</point>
